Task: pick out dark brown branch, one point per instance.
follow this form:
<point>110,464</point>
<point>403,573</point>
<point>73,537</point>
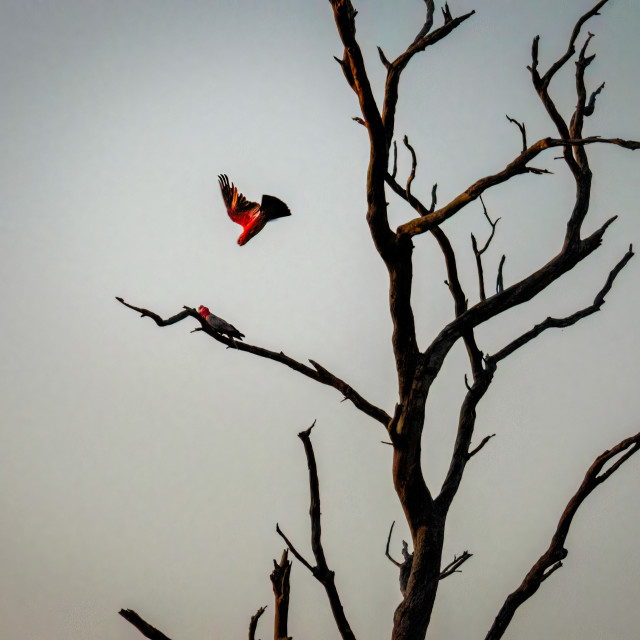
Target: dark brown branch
<point>453,280</point>
<point>551,559</point>
<point>318,373</point>
<point>478,252</point>
<point>386,552</point>
<point>395,160</point>
<point>523,131</point>
<point>383,58</point>
<point>428,23</point>
<point>517,167</point>
<point>293,550</point>
<point>414,164</point>
<point>551,323</point>
<point>253,623</point>
<point>145,313</point>
<point>500,278</point>
<point>466,425</point>
<point>280,581</point>
<point>482,443</point>
<point>321,571</point>
<point>143,627</point>
<point>398,65</point>
<point>455,564</point>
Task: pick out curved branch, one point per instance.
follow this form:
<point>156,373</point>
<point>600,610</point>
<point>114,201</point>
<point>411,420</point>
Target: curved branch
<point>317,373</point>
<point>551,559</point>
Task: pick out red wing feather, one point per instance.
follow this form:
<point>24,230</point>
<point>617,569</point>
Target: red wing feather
<point>240,209</point>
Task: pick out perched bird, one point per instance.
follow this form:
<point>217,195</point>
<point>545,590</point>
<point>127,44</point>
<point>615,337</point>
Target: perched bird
<point>250,215</point>
<point>219,325</point>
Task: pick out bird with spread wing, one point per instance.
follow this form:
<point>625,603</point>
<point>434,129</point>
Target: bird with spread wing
<point>250,215</point>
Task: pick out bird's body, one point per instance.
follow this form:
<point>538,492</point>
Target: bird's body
<point>219,325</point>
<point>250,215</point>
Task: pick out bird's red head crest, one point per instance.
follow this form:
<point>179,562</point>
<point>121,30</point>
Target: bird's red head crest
<point>203,311</point>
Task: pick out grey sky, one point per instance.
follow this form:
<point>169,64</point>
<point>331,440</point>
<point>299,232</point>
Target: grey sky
<point>147,468</point>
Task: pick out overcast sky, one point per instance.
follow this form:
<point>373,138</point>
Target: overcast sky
<point>146,468</point>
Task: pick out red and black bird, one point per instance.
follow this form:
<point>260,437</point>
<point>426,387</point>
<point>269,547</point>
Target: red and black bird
<point>250,215</point>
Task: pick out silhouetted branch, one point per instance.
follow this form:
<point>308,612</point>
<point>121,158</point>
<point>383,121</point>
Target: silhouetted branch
<point>386,552</point>
<point>254,622</point>
<point>550,323</point>
<point>320,571</point>
<point>523,131</point>
<point>143,627</point>
<point>518,166</point>
<point>500,279</point>
<point>551,559</point>
<point>466,425</point>
<point>428,23</point>
<point>280,580</point>
<point>318,373</point>
<point>455,564</point>
<point>478,252</point>
<point>482,443</point>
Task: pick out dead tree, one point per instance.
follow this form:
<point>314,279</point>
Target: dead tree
<point>418,365</point>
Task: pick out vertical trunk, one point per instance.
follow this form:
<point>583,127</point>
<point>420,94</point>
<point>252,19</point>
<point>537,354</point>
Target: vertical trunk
<point>426,523</point>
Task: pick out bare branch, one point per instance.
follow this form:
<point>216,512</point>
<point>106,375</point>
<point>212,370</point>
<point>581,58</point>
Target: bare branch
<point>414,164</point>
<point>395,160</point>
<point>293,550</point>
<point>550,323</point>
<point>386,552</point>
<point>318,373</point>
<point>523,131</point>
<point>428,23</point>
<point>482,443</point>
<point>466,425</point>
<point>398,65</point>
<point>383,58</point>
<point>478,252</point>
<point>145,313</point>
<point>143,627</point>
<point>280,581</point>
<point>551,559</point>
<point>321,571</point>
<point>253,623</point>
<point>500,279</point>
<point>455,564</point>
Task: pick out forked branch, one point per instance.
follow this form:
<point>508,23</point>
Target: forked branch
<point>603,467</point>
<point>320,571</point>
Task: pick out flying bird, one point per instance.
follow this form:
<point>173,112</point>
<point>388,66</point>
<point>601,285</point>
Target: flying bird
<point>250,215</point>
<point>219,325</point>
